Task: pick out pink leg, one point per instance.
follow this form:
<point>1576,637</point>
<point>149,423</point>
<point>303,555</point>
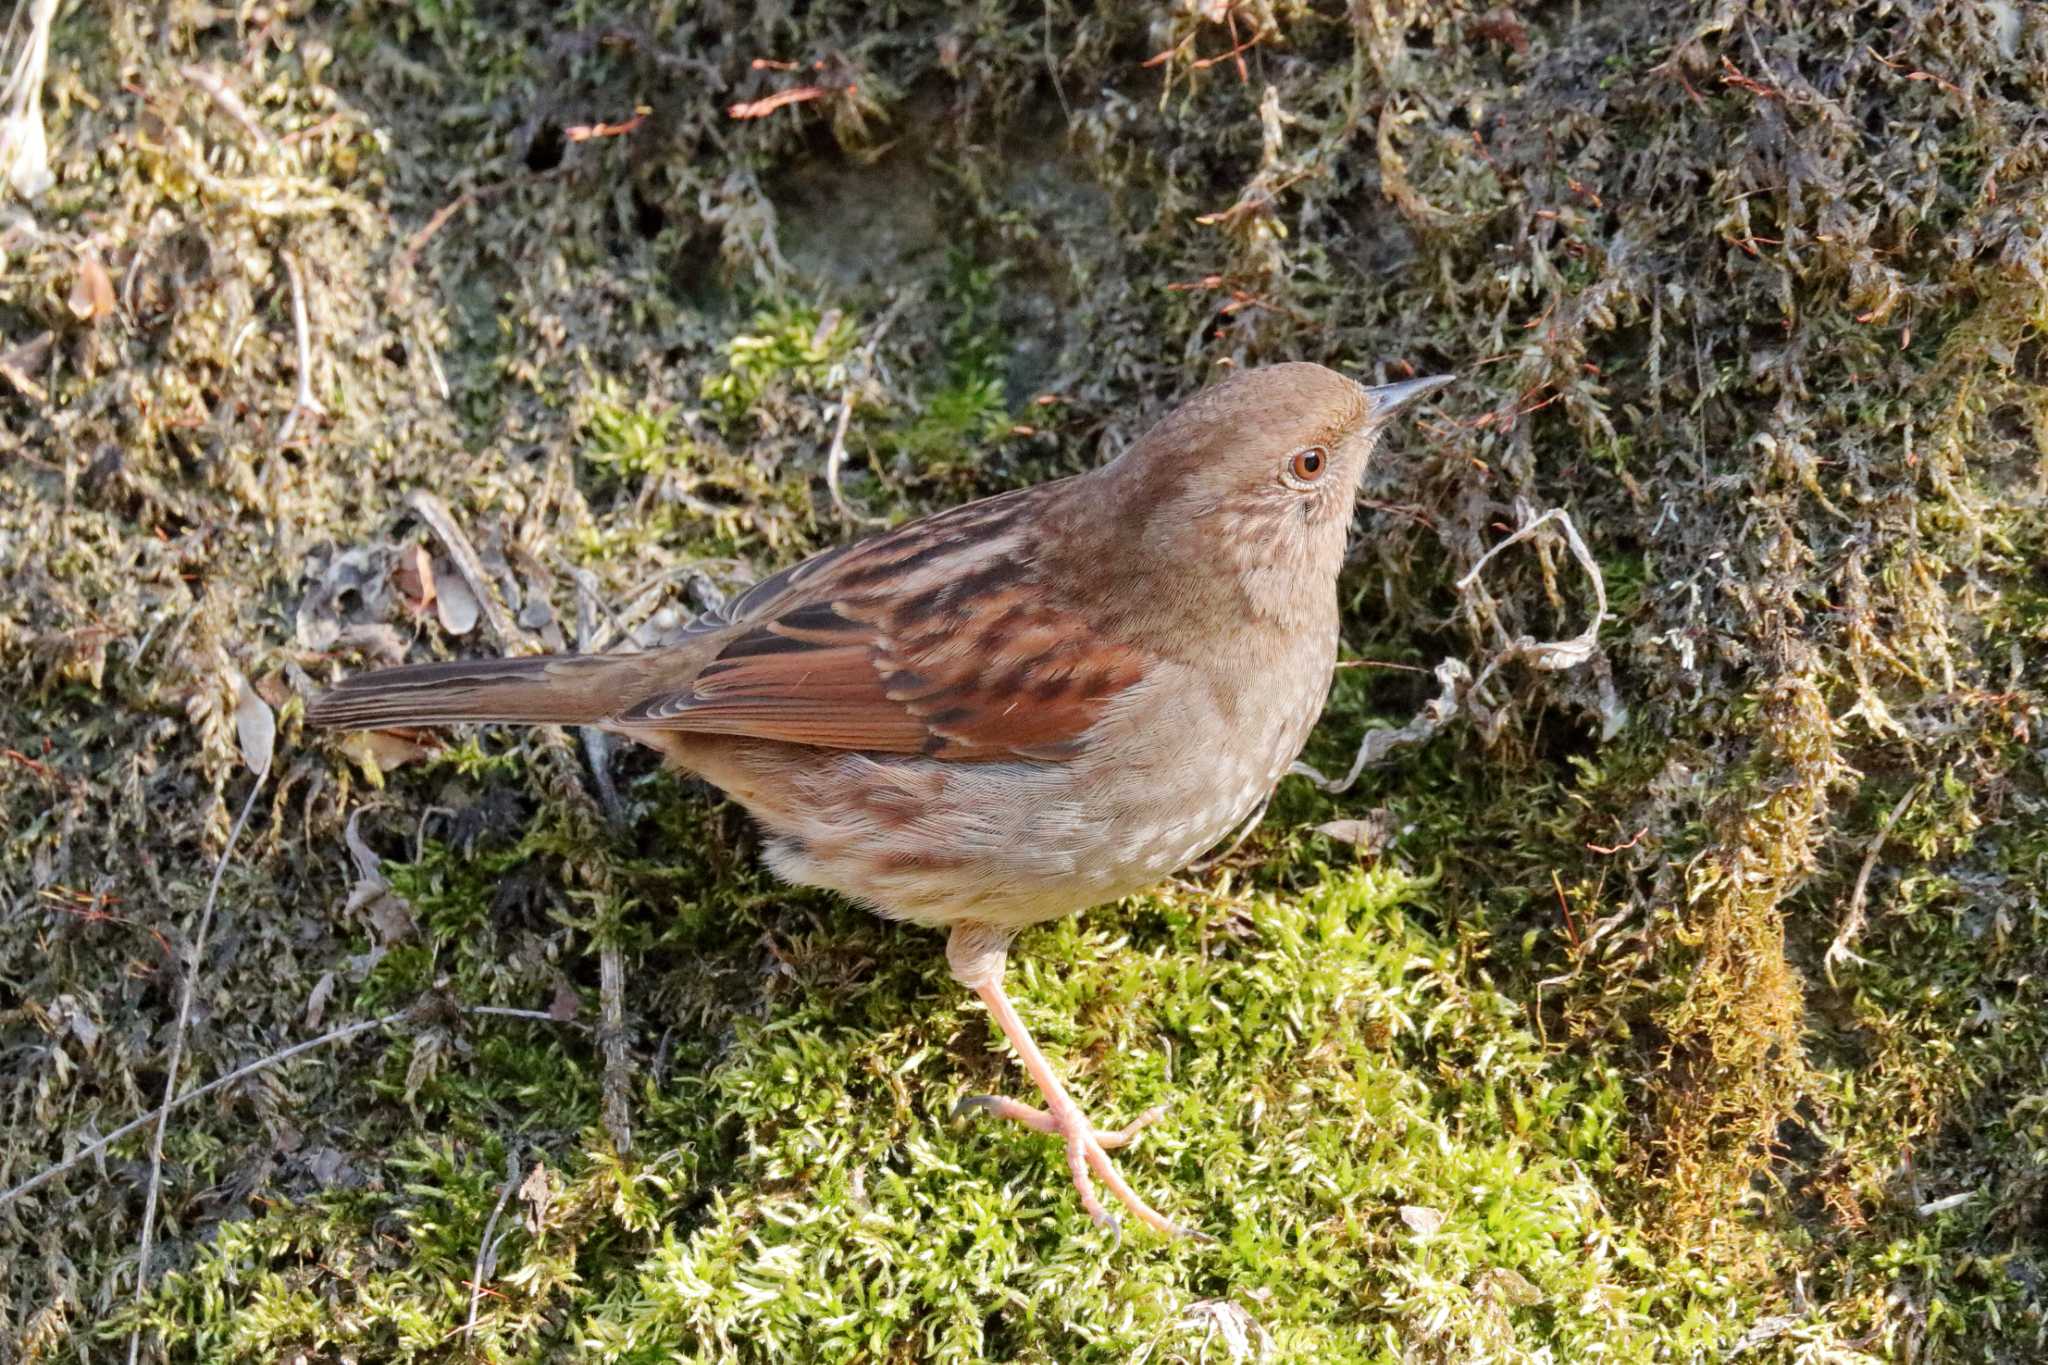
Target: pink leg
<point>1002,1107</point>
<point>977,957</point>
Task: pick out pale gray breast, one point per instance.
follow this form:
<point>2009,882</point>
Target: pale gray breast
<point>1194,759</point>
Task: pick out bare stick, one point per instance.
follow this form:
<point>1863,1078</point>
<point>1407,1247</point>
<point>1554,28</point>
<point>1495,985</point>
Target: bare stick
<point>195,958</point>
<point>1852,922</point>
<point>435,514</point>
<point>487,1249</point>
<point>303,401</point>
<point>98,1145</point>
<point>611,1038</point>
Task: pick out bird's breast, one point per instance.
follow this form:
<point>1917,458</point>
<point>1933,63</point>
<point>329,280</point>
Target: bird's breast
<point>1190,763</point>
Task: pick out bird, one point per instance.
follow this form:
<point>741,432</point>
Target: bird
<point>1009,710</point>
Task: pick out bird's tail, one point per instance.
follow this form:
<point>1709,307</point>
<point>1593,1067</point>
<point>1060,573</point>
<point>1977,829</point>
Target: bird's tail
<point>549,689</point>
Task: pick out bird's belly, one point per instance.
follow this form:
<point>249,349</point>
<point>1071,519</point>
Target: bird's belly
<point>999,860</point>
<point>1010,843</point>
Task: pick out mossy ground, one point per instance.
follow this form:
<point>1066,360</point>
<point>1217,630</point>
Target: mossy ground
<point>1567,1070</point>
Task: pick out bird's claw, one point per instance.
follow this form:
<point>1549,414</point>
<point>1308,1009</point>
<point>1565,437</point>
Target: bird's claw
<point>1087,1151</point>
<point>968,1104</point>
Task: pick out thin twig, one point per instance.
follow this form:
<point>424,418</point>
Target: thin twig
<point>98,1145</point>
<point>418,241</point>
<point>1604,851</point>
<point>761,108</point>
<point>435,514</point>
<point>1852,921</point>
<point>835,457</point>
<point>195,958</point>
<point>487,1249</point>
<point>433,361</point>
<point>303,400</point>
<point>241,1073</point>
<point>585,132</point>
<point>1564,903</point>
<point>507,1012</point>
<point>1380,663</point>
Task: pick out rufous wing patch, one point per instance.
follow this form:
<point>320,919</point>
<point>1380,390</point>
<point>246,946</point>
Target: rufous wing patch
<point>985,674</point>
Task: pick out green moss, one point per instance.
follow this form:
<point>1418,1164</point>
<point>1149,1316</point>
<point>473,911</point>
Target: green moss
<point>788,350</point>
<point>805,1192</point>
<point>968,411</point>
<point>631,442</point>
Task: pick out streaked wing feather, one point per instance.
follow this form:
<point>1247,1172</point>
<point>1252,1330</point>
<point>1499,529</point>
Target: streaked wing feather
<point>932,639</point>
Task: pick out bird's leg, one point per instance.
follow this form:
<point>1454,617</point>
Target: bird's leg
<point>977,954</point>
<point>1002,1107</point>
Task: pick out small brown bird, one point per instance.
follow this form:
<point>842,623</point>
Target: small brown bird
<point>1011,710</point>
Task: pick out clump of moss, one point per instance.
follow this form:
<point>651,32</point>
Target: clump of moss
<point>1736,1070</point>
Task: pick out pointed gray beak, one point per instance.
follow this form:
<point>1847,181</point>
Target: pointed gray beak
<point>1387,397</point>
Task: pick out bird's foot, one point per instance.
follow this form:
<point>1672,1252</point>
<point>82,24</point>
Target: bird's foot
<point>1002,1107</point>
<point>1088,1149</point>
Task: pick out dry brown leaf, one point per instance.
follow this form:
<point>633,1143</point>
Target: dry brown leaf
<point>378,752</point>
<point>390,917</point>
<point>415,579</point>
<point>1508,1286</point>
<point>1421,1219</point>
<point>537,1192</point>
<point>19,364</point>
<point>316,1003</point>
<point>92,291</point>
<point>374,640</point>
<point>1368,834</point>
<point>274,688</point>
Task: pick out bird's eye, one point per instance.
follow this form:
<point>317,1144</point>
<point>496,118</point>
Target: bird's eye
<point>1306,465</point>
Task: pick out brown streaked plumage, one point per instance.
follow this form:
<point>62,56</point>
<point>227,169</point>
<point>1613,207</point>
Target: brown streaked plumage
<point>1010,710</point>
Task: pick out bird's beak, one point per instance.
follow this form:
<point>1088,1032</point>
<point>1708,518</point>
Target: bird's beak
<point>1387,397</point>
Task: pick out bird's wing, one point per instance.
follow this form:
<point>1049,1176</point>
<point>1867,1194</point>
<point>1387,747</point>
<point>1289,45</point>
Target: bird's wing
<point>936,638</point>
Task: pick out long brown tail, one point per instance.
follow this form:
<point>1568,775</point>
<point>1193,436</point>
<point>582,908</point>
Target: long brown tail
<point>550,689</point>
